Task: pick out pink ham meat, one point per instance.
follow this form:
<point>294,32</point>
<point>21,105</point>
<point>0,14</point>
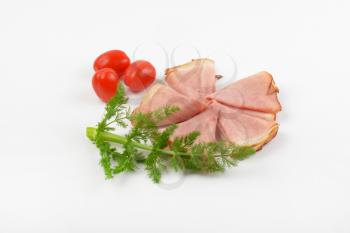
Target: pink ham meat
<point>243,113</point>
<point>243,128</point>
<point>257,92</point>
<point>161,96</point>
<point>205,123</point>
<point>195,79</point>
<point>263,115</point>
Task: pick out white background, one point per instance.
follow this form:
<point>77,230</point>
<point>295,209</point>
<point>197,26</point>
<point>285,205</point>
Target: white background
<point>50,180</point>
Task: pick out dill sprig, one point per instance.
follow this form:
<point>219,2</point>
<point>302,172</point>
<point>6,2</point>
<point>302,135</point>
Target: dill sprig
<point>146,143</point>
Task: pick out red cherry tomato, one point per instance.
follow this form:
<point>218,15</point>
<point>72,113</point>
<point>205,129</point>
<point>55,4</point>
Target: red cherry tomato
<point>139,75</point>
<point>105,83</point>
<point>114,59</point>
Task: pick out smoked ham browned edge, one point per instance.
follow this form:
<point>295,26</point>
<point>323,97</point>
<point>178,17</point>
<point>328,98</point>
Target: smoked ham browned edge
<point>268,138</point>
<point>273,88</point>
<point>195,79</point>
<point>174,68</point>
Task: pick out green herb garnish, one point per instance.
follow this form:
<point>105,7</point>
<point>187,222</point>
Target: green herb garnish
<point>146,144</point>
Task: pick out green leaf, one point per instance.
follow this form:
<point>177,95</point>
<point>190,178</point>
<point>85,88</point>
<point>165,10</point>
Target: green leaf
<point>241,153</point>
<point>163,139</point>
<point>151,164</point>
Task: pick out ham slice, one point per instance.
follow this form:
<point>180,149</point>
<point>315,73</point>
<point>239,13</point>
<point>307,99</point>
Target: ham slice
<point>205,123</point>
<point>195,79</point>
<point>161,96</point>
<point>244,129</point>
<point>257,92</point>
<point>262,115</point>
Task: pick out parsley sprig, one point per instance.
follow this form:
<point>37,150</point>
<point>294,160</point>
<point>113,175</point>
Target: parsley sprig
<point>146,143</point>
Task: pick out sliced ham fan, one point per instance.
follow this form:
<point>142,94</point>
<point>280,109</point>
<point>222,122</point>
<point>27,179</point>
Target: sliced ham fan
<point>195,79</point>
<point>243,113</point>
<point>257,92</point>
<point>161,96</point>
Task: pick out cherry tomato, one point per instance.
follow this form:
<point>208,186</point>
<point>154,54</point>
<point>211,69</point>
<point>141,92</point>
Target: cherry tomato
<point>114,59</point>
<point>105,83</point>
<point>139,75</point>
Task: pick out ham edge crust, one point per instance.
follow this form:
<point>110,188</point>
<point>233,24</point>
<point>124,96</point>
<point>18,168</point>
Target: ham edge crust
<point>185,65</point>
